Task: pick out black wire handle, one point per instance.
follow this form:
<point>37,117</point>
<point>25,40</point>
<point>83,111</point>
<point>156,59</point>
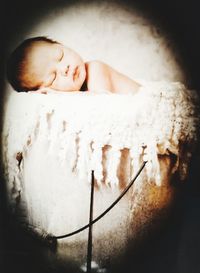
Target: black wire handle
<point>103,213</point>
<point>89,247</point>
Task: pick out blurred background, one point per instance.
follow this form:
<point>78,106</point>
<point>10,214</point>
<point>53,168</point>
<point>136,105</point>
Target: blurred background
<point>166,46</point>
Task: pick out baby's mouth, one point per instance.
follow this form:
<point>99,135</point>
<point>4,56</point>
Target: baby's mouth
<point>76,73</point>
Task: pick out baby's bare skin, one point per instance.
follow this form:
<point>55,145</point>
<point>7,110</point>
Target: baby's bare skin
<point>102,76</point>
<point>54,67</point>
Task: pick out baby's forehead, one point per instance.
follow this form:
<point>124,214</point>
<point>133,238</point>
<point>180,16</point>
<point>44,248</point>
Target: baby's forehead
<point>44,46</point>
<point>40,60</point>
<point>43,52</point>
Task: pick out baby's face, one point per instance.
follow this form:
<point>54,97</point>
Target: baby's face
<point>55,66</point>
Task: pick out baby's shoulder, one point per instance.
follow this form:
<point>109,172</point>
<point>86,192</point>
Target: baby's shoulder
<point>97,74</point>
<point>96,67</point>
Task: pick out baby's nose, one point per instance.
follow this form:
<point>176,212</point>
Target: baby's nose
<point>63,69</point>
<point>66,70</point>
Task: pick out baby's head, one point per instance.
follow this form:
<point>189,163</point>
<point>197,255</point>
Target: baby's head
<point>41,62</point>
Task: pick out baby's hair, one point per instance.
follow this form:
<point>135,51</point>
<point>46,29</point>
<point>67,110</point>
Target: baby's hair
<point>16,63</point>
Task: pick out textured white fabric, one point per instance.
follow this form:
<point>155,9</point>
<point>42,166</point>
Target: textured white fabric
<point>62,136</point>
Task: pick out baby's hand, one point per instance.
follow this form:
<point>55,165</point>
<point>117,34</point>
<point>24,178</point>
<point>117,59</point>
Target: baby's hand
<point>44,90</point>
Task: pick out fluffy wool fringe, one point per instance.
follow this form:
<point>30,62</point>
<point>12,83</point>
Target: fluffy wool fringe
<point>162,118</point>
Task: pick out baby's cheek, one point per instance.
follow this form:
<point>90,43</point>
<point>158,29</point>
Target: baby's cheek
<point>61,84</point>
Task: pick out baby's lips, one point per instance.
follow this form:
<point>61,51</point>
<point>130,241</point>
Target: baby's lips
<point>75,73</point>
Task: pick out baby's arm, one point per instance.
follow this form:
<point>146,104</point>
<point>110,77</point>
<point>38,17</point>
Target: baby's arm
<point>98,77</point>
<point>123,84</point>
<point>102,76</point>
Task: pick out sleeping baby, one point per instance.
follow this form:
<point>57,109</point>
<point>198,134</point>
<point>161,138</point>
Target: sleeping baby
<point>43,65</point>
